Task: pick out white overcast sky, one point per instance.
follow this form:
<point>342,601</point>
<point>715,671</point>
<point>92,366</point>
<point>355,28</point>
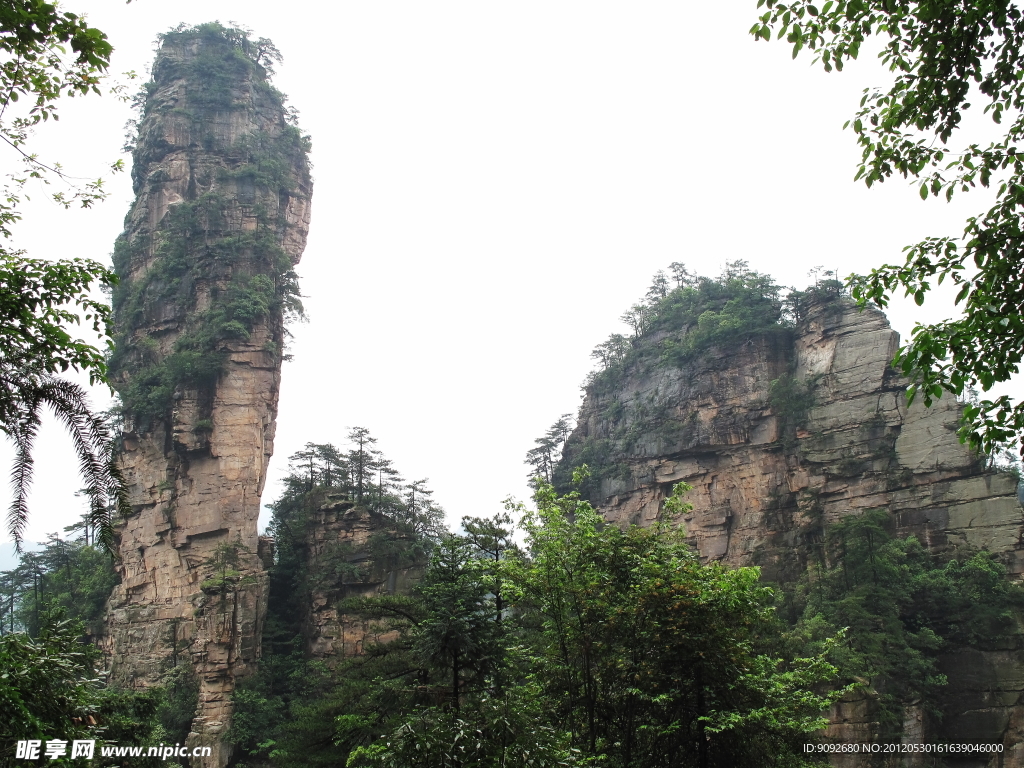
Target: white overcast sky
<point>494,184</point>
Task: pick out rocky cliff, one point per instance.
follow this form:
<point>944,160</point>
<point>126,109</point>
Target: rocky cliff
<point>352,552</point>
<point>221,214</point>
<point>783,433</point>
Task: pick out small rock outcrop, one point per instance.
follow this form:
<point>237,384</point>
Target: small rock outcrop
<point>352,552</point>
<point>781,434</point>
<point>221,214</point>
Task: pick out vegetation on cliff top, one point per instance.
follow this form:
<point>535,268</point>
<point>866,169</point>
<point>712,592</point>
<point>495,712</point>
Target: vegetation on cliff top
<point>288,707</point>
<point>671,327</point>
<point>902,608</point>
<point>247,274</point>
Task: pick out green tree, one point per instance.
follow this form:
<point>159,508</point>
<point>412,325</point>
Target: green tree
<point>48,688</point>
<point>493,540</point>
<point>681,274</point>
<point>507,730</point>
<point>27,385</point>
<point>659,286</point>
<point>545,457</point>
<point>458,635</point>
<point>902,607</point>
<point>477,701</point>
<point>70,575</point>
<point>653,659</point>
<point>296,711</point>
<point>420,514</point>
<point>945,56</point>
<point>361,459</point>
<point>39,300</point>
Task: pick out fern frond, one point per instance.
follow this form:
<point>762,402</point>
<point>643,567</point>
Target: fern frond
<point>69,403</point>
<point>24,434</point>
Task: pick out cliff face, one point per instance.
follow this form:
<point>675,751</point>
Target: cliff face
<point>772,465</point>
<point>221,215</point>
<point>351,553</point>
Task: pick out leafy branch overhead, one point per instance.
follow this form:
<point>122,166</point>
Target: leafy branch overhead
<point>40,300</point>
<point>945,56</point>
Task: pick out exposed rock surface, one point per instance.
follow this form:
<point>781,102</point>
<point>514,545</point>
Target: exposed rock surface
<point>762,491</point>
<point>221,214</point>
<point>343,563</point>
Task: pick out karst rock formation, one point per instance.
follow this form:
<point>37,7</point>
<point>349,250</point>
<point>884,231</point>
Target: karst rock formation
<point>766,479</point>
<point>221,214</point>
<point>340,552</point>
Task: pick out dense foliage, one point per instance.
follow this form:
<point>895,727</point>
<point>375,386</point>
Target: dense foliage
<point>695,315</point>
<point>50,689</point>
<point>594,645</point>
<point>289,708</point>
<point>71,575</point>
<point>46,690</point>
<point>903,607</point>
<point>51,605</point>
<point>40,300</point>
<point>651,658</point>
<point>945,57</point>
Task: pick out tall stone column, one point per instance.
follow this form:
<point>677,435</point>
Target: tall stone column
<point>221,214</point>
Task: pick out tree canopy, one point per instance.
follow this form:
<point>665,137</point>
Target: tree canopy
<point>40,300</point>
<point>945,56</point>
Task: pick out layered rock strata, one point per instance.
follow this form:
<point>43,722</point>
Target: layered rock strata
<point>351,554</point>
<point>769,472</point>
<point>221,214</point>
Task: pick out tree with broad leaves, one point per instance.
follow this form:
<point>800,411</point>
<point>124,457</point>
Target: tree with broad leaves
<point>39,300</point>
<point>652,658</point>
<point>945,56</point>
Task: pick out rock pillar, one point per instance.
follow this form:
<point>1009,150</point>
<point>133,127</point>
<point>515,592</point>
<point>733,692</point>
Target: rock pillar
<point>220,218</point>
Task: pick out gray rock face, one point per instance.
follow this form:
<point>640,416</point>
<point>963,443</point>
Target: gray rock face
<point>762,490</point>
<point>221,214</point>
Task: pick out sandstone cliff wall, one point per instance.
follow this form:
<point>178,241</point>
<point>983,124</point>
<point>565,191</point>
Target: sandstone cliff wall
<point>221,215</point>
<point>763,489</point>
<point>347,548</point>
